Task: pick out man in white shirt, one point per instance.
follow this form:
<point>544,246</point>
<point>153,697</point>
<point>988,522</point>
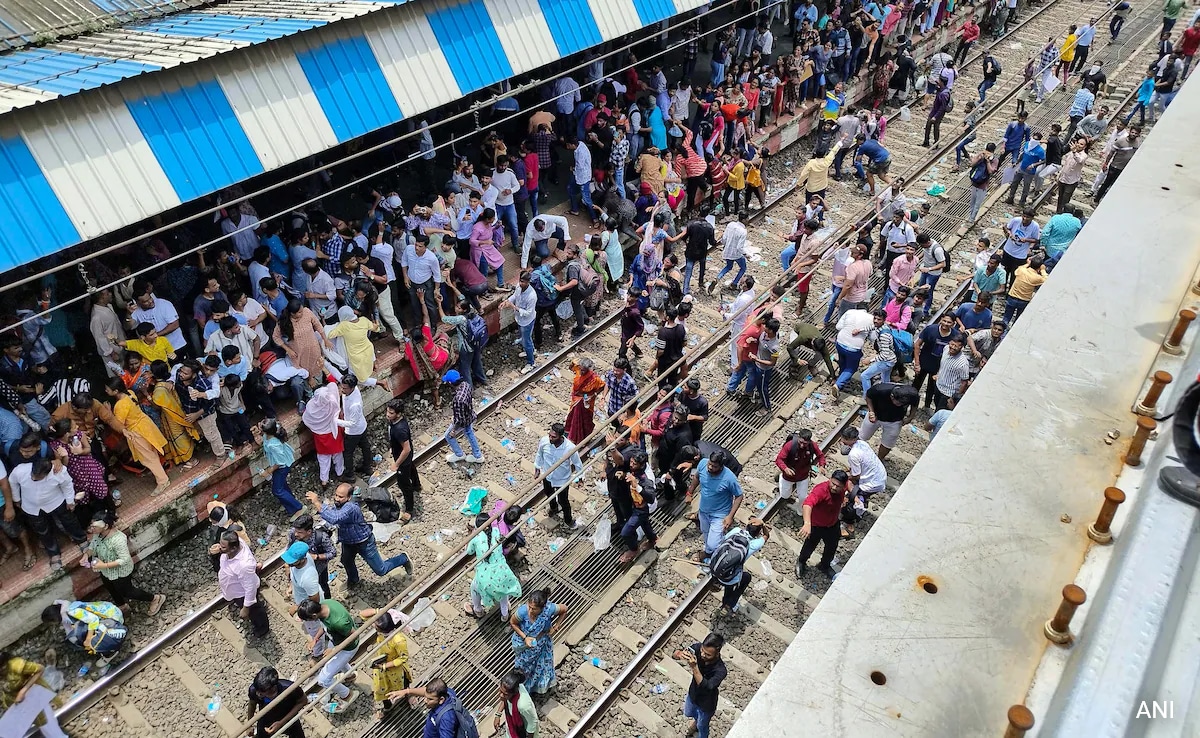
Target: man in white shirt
<point>539,232</point>
<point>733,251</point>
<point>738,313</point>
<point>868,475</point>
<point>322,290</point>
<point>354,422</point>
<point>506,182</point>
<point>579,187</point>
<point>421,271</point>
<point>47,497</point>
<point>523,303</point>
<point>897,234</point>
<point>240,228</point>
<point>162,315</point>
<point>854,329</point>
<point>251,311</point>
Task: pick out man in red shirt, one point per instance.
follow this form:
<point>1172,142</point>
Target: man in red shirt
<point>747,347</point>
<point>821,510</point>
<point>795,461</point>
<point>1188,45</point>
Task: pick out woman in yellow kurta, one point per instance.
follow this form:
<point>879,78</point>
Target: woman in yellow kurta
<point>352,328</point>
<point>17,675</point>
<point>145,440</point>
<point>180,434</point>
<point>391,676</point>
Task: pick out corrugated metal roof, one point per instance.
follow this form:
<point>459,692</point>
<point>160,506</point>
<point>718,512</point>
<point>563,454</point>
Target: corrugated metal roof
<point>29,22</point>
<point>29,76</point>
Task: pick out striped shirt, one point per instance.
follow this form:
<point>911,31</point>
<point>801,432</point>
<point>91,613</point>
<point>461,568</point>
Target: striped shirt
<point>953,372</point>
<point>885,347</point>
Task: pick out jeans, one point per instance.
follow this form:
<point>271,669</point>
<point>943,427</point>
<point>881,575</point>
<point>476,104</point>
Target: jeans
<point>1140,109</point>
<point>928,279</point>
<point>687,274</point>
<point>533,201</point>
<point>1114,26</point>
<point>370,554</point>
<point>848,361</point>
<point>577,192</point>
<point>483,269</point>
<point>469,432</point>
<point>337,664</point>
<point>733,592</point>
<point>527,342</point>
<point>470,366</point>
<point>1019,177</point>
<point>639,519</point>
<point>838,159</point>
<point>508,214</point>
<point>984,86</point>
<point>878,368</point>
<point>741,372</point>
<point>978,197</point>
<point>1168,24</point>
<point>760,381</point>
<point>37,413</point>
<point>703,719</point>
<point>741,264</point>
<point>961,150</point>
<point>283,491</point>
<point>833,302</point>
<point>712,530</point>
<point>1013,309</point>
<point>787,255</point>
<point>43,524</point>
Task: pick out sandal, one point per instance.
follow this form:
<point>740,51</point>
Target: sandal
<point>27,564</point>
<point>404,518</point>
<point>190,464</point>
<point>156,604</point>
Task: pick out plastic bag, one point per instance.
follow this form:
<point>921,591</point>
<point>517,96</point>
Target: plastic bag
<point>602,538</point>
<point>768,571</point>
<point>54,678</point>
<point>473,503</point>
<point>564,311</point>
<point>423,618</point>
<point>905,114</point>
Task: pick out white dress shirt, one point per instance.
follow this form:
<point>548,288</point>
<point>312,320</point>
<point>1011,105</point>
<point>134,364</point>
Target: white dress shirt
<point>551,222</point>
<point>41,496</point>
<point>355,420</point>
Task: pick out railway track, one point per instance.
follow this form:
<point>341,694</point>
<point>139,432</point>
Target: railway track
<point>155,675</point>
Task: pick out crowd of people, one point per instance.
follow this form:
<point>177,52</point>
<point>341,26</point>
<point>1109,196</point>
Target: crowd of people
<point>293,310</point>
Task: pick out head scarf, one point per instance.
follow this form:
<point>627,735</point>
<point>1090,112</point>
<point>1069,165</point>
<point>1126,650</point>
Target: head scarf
<point>322,411</point>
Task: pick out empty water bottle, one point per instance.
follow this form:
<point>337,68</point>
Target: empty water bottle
<point>659,688</point>
<point>214,704</point>
<point>599,663</point>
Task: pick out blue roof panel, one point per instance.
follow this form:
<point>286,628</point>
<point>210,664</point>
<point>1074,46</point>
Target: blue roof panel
<point>469,42</point>
<point>572,25</point>
<point>247,28</point>
<point>65,73</point>
<point>29,205</point>
<point>348,70</point>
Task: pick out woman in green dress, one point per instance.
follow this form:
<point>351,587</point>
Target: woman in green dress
<point>494,581</point>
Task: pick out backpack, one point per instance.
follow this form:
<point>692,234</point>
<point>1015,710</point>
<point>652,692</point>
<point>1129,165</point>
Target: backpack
<point>476,333</point>
<point>980,173</point>
<point>802,452</point>
<point>380,502</point>
<point>543,284</point>
<point>902,344</point>
<point>949,102</point>
<point>588,279</point>
<point>731,554</point>
<point>996,66</point>
<point>466,723</point>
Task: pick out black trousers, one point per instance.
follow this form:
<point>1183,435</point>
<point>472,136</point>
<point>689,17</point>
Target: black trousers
<point>1111,177</point>
<point>235,428</point>
<point>354,443</point>
<point>622,506</point>
<point>544,311</point>
<point>829,535</point>
<point>926,374</point>
<point>258,615</point>
<point>123,590</point>
<point>43,524</point>
<point>409,484</point>
<point>561,499</point>
<point>934,124</point>
<point>1081,56</point>
<point>734,592</point>
<point>323,580</point>
<point>255,394</point>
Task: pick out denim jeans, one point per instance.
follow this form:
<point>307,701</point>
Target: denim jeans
<point>470,366</point>
<point>527,342</point>
<point>712,530</point>
<point>984,86</point>
<point>508,214</point>
<point>639,519</point>
<point>370,554</point>
<point>928,279</point>
<point>961,150</point>
<point>787,255</point>
<point>687,274</point>
<point>283,491</point>
<point>741,372</point>
<point>483,269</point>
<point>848,361</point>
<point>577,192</point>
<point>760,382</point>
<point>833,302</point>
<point>533,201</point>
<point>878,369</point>
<point>469,432</point>
<point>1013,309</point>
<point>1140,110</point>
<point>703,719</point>
<point>741,265</point>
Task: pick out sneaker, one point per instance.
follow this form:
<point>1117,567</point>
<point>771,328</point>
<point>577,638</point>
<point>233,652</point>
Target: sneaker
<point>521,354</point>
<point>711,286</point>
<point>527,368</point>
<point>475,459</point>
<point>408,567</point>
<point>156,604</point>
<point>452,458</point>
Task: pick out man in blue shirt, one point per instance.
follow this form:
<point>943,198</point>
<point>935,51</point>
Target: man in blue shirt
<point>441,722</point>
<point>1032,157</point>
<point>355,535</point>
<point>972,316</point>
<point>878,161</point>
<point>720,497</point>
<point>1083,44</point>
<point>1083,103</point>
<point>1016,135</point>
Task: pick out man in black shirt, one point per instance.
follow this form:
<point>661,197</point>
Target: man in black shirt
<point>672,337</point>
<point>707,672</point>
<point>264,695</point>
<point>889,406</point>
<point>696,405</point>
<point>700,238</point>
<point>400,439</point>
<point>675,438</point>
<point>632,325</point>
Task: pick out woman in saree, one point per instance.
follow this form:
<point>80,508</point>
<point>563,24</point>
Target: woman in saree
<point>145,440</point>
<point>587,385</point>
<point>180,434</point>
<point>321,416</point>
<point>534,625</point>
<point>139,380</point>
